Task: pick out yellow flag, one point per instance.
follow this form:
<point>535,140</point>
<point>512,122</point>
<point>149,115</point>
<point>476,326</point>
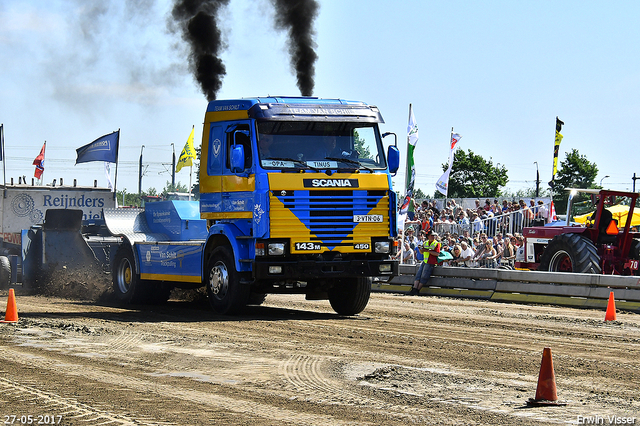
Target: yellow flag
<point>556,147</point>
<point>188,153</point>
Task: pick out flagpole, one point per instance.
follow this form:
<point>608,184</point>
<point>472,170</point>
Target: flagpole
<point>190,175</point>
<point>556,149</point>
<point>4,160</point>
<point>45,153</point>
<point>408,171</point>
<point>450,161</point>
<point>115,179</point>
<point>407,181</point>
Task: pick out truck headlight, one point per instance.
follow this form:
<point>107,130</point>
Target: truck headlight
<point>276,249</point>
<point>385,267</point>
<point>382,247</point>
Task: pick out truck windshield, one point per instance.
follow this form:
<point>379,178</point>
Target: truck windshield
<point>320,145</point>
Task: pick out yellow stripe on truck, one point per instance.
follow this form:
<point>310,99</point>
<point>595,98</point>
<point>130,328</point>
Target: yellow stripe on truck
<point>229,183</point>
<point>285,223</point>
<point>295,181</point>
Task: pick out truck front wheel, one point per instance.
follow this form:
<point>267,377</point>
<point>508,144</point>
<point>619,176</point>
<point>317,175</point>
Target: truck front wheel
<point>350,297</point>
<point>570,253</point>
<point>226,295</point>
<point>127,285</point>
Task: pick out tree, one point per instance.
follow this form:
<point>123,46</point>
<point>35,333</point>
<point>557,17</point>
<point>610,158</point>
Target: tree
<point>418,194</point>
<point>574,172</point>
<point>472,176</point>
<point>178,187</point>
<point>359,145</point>
<point>195,189</point>
<point>525,193</point>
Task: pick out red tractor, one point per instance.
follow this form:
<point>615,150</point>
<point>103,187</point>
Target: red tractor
<point>605,245</point>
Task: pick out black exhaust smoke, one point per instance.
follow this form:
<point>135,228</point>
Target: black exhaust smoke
<point>297,16</point>
<point>197,21</point>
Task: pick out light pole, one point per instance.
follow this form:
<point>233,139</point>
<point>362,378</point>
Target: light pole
<point>603,179</point>
<point>140,173</point>
<point>173,169</point>
<point>537,179</point>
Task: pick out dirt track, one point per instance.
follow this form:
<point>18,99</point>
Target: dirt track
<point>404,360</point>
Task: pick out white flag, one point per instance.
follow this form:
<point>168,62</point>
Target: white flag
<point>443,183</point>
<point>107,172</point>
<point>412,129</point>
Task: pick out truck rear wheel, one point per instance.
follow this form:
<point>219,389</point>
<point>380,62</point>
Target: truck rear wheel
<point>127,284</point>
<point>350,297</point>
<point>5,272</point>
<point>570,253</point>
<point>226,295</point>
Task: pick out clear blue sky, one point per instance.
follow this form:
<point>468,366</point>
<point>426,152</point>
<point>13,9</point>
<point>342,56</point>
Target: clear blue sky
<point>498,72</point>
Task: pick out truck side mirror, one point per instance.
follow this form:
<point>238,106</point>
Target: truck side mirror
<point>393,157</point>
<point>237,158</point>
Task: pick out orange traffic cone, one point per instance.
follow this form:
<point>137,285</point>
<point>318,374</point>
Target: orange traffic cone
<point>611,309</point>
<point>12,308</point>
<point>546,393</point>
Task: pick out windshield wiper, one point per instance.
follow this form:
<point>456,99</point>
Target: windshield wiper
<point>349,161</point>
<point>299,162</point>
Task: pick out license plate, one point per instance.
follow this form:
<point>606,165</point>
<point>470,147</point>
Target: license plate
<point>307,246</point>
<point>359,218</point>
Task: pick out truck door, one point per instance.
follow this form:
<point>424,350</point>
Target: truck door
<point>237,188</point>
<point>211,181</point>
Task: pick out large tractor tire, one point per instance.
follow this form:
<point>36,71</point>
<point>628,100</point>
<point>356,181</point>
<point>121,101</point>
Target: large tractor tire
<point>350,297</point>
<point>570,253</point>
<point>634,252</point>
<point>227,296</point>
<point>5,272</point>
<point>127,285</point>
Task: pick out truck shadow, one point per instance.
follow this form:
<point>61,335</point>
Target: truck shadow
<point>180,311</point>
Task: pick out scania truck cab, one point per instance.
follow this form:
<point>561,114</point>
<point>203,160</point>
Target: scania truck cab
<point>295,197</point>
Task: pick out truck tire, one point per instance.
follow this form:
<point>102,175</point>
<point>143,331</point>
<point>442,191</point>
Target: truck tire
<point>226,295</point>
<point>5,272</point>
<point>127,285</point>
<point>350,297</point>
<point>570,253</point>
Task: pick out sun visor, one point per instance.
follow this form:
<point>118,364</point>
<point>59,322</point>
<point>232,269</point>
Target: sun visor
<point>317,112</point>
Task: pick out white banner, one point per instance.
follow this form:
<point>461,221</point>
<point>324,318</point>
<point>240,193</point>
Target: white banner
<point>443,183</point>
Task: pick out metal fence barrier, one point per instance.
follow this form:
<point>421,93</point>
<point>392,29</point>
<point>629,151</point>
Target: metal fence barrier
<point>511,223</point>
<point>535,287</point>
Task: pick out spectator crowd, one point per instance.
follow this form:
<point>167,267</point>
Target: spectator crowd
<point>487,236</point>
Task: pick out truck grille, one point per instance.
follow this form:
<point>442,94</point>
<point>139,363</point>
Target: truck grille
<point>327,215</point>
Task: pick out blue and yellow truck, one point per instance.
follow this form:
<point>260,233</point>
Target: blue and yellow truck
<point>295,197</point>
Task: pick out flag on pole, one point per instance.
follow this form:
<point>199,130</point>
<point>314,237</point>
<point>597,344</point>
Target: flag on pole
<point>39,162</point>
<point>188,153</point>
<point>443,183</point>
<point>556,147</point>
<point>412,141</point>
<point>107,172</point>
<point>105,148</point>
<point>552,214</point>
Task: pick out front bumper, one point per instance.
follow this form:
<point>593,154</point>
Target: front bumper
<point>304,270</point>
